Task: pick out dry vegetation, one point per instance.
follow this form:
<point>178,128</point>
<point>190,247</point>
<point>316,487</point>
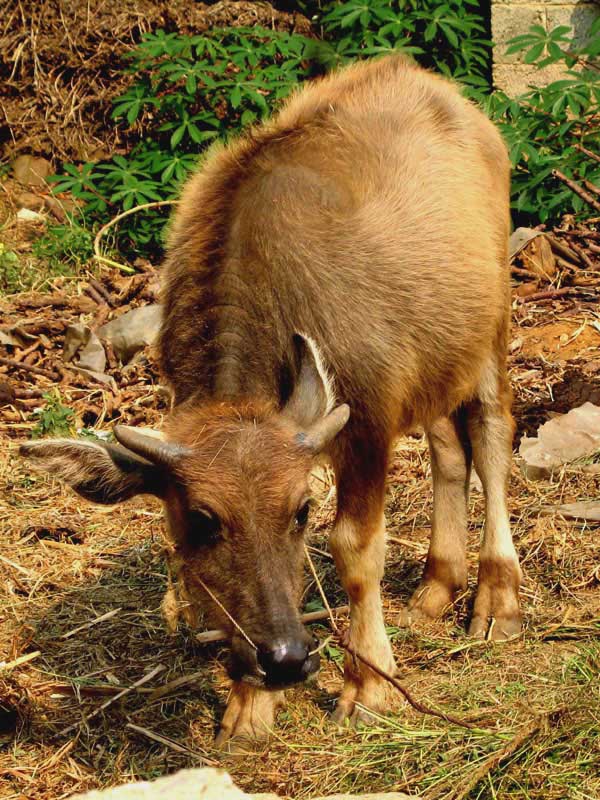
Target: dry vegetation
<point>65,564</point>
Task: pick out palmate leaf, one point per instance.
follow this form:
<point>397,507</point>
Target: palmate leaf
<point>187,91</point>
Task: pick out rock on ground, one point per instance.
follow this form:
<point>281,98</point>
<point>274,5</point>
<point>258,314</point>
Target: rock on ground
<point>203,784</point>
<point>561,440</point>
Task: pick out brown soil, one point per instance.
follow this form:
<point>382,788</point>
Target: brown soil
<point>562,340</point>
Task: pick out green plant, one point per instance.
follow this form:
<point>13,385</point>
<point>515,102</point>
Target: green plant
<point>55,418</point>
<point>9,270</point>
<point>544,127</point>
<point>449,36</point>
<point>65,248</point>
<point>186,92</point>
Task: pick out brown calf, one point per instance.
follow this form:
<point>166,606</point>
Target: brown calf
<point>333,279</point>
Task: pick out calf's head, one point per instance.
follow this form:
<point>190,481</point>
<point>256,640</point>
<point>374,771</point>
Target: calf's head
<point>234,478</point>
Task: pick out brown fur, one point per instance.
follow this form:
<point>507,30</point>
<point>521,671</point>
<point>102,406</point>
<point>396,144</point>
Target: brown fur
<point>355,218</point>
<point>370,214</point>
<point>371,217</point>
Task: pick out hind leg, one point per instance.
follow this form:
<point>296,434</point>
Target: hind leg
<point>496,614</point>
<point>445,571</point>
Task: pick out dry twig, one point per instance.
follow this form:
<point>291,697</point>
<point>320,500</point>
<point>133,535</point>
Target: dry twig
<point>143,207</point>
<point>464,789</point>
<point>416,704</point>
<point>575,187</point>
<point>144,679</point>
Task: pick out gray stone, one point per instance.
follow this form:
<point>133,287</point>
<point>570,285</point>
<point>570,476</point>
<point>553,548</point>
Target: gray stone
<point>561,440</point>
<point>204,784</point>
<point>132,331</point>
<point>31,171</point>
<point>580,17</point>
<point>588,510</point>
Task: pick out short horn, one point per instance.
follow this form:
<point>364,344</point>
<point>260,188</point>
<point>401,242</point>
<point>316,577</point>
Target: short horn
<point>151,448</point>
<point>326,429</point>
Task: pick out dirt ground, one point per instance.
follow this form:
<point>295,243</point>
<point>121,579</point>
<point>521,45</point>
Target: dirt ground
<point>82,587</point>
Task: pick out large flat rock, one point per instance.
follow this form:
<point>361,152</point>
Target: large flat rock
<point>204,784</point>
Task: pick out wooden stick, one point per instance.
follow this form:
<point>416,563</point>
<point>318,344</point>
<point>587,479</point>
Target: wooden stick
<point>562,249</point>
<point>5,666</point>
<point>15,566</point>
<point>10,362</point>
<point>464,789</point>
<point>95,295</point>
<point>157,737</point>
<point>582,255</point>
<point>591,187</point>
<point>576,188</point>
<point>416,704</point>
<point>548,295</point>
<point>524,273</point>
<point>166,688</point>
<point>207,637</point>
<point>144,679</point>
<point>144,206</point>
<point>101,618</point>
<point>588,153</point>
<point>568,265</point>
<point>102,290</point>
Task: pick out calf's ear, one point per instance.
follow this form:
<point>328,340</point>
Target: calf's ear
<point>312,403</point>
<point>99,471</point>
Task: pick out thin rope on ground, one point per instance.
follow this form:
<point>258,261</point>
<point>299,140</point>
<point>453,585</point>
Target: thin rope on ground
<point>416,704</point>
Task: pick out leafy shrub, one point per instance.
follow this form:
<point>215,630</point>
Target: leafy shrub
<point>187,91</point>
<point>544,127</point>
<point>448,36</point>
<point>64,248</point>
<point>54,419</point>
<point>9,270</point>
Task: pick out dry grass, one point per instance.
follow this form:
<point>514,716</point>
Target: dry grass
<point>66,563</point>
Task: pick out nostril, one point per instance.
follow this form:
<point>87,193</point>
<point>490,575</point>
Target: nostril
<point>283,660</point>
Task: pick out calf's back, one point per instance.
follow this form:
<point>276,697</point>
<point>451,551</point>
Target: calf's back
<point>371,214</point>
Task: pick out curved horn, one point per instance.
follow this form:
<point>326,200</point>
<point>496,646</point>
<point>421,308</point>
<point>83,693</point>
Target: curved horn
<point>151,448</point>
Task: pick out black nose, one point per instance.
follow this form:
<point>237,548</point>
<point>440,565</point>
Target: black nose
<point>287,661</point>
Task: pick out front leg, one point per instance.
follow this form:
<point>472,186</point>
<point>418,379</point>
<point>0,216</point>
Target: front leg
<point>249,718</point>
<point>358,547</point>
<point>358,550</point>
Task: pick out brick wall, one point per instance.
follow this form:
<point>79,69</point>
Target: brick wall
<point>513,17</point>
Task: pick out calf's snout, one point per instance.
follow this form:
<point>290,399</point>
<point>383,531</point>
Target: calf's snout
<point>287,661</point>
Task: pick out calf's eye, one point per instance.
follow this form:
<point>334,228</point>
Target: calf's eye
<point>204,528</point>
<point>301,517</point>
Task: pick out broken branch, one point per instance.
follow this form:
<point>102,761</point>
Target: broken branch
<point>576,188</point>
<point>144,679</point>
<point>10,362</point>
<point>208,637</point>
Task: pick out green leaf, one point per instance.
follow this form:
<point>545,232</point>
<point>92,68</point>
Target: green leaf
<point>235,98</point>
<point>534,53</point>
<point>177,135</point>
